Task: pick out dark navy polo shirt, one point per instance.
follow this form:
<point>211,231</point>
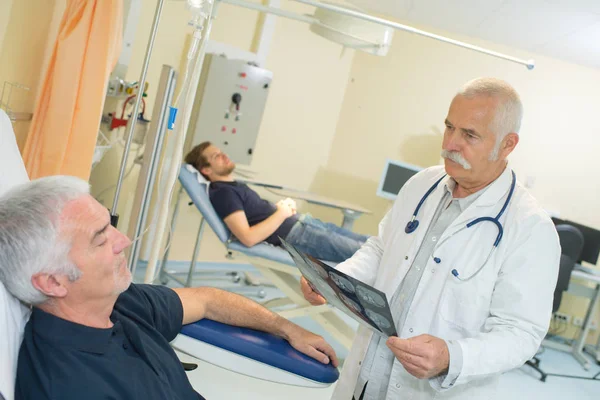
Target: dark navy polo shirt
<point>62,360</point>
<point>229,197</point>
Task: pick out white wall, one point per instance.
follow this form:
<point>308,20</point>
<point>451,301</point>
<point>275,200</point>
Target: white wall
<point>5,7</point>
<point>309,84</point>
<point>395,107</point>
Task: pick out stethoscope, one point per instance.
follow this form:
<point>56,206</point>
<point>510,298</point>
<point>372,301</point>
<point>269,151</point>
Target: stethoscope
<point>413,224</point>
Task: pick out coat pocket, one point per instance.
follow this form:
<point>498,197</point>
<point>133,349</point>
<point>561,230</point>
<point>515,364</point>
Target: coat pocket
<point>464,307</point>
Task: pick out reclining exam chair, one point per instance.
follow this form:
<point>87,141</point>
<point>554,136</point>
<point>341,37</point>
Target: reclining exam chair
<point>241,350</point>
<point>274,263</point>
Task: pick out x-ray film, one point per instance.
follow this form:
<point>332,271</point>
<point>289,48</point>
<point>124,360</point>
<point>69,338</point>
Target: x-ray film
<point>360,301</point>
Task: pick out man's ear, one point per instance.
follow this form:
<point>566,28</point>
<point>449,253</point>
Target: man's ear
<point>206,171</point>
<point>510,141</point>
<point>50,285</point>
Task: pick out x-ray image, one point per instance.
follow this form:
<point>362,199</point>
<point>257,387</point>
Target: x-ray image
<point>342,282</point>
<point>350,303</point>
<point>319,270</point>
<point>370,296</point>
<point>362,302</point>
<point>379,320</point>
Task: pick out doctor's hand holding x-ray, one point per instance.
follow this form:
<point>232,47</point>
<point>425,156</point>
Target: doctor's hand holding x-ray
<point>423,356</point>
<point>468,261</point>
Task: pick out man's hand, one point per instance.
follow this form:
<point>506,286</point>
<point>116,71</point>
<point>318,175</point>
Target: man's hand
<point>284,207</point>
<point>310,295</point>
<point>423,356</point>
<point>310,344</point>
<point>292,204</point>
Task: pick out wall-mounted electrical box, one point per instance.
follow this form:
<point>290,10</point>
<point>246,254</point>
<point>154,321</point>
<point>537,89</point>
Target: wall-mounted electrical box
<point>229,106</point>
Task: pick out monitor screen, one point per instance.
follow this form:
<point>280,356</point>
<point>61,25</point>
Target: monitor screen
<point>395,174</point>
<point>591,240</point>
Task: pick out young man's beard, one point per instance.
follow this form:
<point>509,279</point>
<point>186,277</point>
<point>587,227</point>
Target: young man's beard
<point>227,170</point>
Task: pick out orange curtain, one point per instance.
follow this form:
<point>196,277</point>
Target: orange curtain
<point>67,114</point>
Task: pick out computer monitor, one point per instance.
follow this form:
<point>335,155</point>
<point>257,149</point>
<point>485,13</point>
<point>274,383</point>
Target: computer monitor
<point>395,174</point>
<point>591,240</point>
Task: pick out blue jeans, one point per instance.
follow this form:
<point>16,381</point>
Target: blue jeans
<point>324,241</point>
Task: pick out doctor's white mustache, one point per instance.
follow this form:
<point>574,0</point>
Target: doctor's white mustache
<point>457,158</point>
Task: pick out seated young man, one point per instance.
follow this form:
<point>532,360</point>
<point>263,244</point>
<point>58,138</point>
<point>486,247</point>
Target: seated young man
<point>252,219</point>
<point>92,333</point>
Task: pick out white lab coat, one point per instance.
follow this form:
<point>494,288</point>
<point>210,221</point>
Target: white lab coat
<point>13,315</point>
<point>498,318</point>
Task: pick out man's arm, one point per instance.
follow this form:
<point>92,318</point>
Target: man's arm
<point>237,222</point>
<point>232,309</point>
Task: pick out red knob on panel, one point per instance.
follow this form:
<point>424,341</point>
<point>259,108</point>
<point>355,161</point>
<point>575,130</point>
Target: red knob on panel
<point>223,128</point>
<point>242,74</point>
<point>234,131</point>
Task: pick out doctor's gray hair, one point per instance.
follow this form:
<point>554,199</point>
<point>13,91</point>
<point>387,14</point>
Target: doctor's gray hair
<point>510,109</point>
<point>29,234</point>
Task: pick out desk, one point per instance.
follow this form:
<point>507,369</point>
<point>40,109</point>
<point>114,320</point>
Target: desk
<point>350,211</point>
<point>579,345</point>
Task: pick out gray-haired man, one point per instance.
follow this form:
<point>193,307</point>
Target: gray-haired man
<point>92,334</point>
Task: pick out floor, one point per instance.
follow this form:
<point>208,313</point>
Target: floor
<point>217,383</point>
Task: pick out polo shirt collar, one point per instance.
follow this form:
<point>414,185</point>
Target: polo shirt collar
<point>61,332</point>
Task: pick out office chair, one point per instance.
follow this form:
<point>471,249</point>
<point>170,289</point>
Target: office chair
<point>571,243</point>
<point>571,240</point>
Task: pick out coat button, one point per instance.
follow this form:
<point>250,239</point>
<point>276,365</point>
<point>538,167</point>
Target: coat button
<point>411,330</point>
<point>406,257</point>
<point>398,385</point>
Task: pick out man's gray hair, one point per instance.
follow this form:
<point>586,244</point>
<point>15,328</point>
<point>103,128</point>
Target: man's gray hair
<point>29,234</point>
<point>510,110</point>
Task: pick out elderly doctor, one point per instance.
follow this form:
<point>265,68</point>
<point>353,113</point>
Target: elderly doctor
<point>468,260</point>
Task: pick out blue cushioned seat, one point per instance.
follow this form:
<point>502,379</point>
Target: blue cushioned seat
<point>261,347</point>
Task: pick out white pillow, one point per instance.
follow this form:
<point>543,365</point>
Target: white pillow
<point>13,170</point>
<point>13,315</point>
<point>201,179</point>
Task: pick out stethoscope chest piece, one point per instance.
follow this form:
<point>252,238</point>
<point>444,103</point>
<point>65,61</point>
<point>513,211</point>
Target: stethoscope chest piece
<point>411,226</point>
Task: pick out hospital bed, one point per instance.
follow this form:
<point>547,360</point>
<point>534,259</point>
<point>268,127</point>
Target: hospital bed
<point>272,262</point>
